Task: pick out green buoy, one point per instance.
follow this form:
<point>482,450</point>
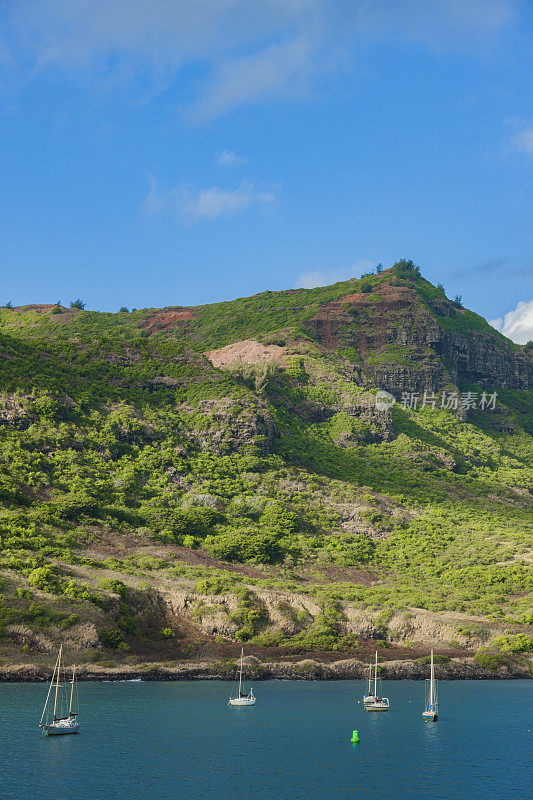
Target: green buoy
<point>355,737</point>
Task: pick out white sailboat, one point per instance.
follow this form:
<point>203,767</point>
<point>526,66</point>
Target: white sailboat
<point>242,698</point>
<point>372,701</point>
<point>431,710</point>
<point>61,722</point>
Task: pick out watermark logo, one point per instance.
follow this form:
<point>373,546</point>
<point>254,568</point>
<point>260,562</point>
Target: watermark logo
<point>384,400</point>
<point>453,401</point>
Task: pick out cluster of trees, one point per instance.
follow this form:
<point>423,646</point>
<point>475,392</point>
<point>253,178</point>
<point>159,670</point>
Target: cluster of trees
<point>78,303</point>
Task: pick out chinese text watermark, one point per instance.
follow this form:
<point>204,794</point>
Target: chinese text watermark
<point>452,401</point>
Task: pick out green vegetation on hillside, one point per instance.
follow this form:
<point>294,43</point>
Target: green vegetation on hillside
<point>113,431</point>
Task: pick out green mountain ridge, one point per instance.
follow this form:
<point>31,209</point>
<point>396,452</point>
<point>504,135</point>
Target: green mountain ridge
<point>176,481</point>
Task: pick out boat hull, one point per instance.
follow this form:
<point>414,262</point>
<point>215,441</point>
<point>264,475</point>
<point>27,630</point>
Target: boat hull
<point>373,703</point>
<point>242,701</point>
<point>61,730</point>
<point>430,715</point>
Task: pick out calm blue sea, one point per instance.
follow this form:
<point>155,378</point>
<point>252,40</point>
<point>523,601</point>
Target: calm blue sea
<point>163,741</point>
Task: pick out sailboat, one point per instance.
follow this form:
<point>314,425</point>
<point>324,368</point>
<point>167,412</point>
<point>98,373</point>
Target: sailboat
<point>242,698</point>
<point>60,723</point>
<point>431,710</point>
<point>371,700</point>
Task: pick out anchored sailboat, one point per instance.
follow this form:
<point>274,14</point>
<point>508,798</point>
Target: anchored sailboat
<point>242,698</point>
<point>61,722</point>
<point>372,701</point>
<point>431,710</point>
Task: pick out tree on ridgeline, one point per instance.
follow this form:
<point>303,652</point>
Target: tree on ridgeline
<point>78,304</point>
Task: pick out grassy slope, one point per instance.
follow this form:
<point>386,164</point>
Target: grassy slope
<point>107,496</point>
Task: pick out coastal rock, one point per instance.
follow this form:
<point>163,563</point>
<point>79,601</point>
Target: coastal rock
<point>257,670</point>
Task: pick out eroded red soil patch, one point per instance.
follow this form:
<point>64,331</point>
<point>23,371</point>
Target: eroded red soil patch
<point>328,325</point>
<point>168,318</point>
<point>393,295</point>
<point>336,574</point>
<point>248,350</point>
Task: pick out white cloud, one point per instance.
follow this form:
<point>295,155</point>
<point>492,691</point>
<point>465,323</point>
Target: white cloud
<point>318,277</point>
<point>523,141</point>
<point>227,158</point>
<point>517,324</point>
<point>519,135</point>
<point>280,71</point>
<point>248,51</point>
<point>191,204</point>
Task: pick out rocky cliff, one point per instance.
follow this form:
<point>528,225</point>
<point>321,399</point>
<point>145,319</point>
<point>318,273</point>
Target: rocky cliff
<point>406,344</point>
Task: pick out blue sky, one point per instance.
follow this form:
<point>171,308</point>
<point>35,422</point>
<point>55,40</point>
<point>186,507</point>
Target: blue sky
<point>170,152</point>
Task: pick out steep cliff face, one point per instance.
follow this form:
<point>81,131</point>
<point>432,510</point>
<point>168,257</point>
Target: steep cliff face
<point>403,342</point>
<point>482,359</point>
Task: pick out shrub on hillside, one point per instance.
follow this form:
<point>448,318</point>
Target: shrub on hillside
<point>111,637</point>
<point>277,518</point>
<point>214,585</point>
<point>348,549</point>
<point>246,544</point>
<point>438,658</point>
<point>115,586</point>
<point>489,659</point>
<point>509,643</point>
<point>74,505</point>
<point>46,579</point>
<point>175,524</point>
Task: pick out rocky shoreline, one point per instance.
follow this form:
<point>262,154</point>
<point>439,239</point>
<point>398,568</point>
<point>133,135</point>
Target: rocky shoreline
<point>257,670</point>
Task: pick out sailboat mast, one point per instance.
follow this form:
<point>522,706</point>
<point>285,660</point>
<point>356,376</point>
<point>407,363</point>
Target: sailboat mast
<point>49,690</point>
<point>240,673</point>
<point>376,677</point>
<point>57,680</point>
<point>71,692</point>
<point>431,682</point>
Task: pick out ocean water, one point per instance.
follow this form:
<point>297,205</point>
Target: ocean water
<point>164,741</point>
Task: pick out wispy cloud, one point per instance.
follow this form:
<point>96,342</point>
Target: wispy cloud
<point>248,51</point>
<point>518,136</point>
<point>496,268</point>
<point>227,158</point>
<point>280,71</point>
<point>490,267</point>
<point>191,204</point>
<point>517,324</point>
<point>523,141</point>
<point>318,277</point>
